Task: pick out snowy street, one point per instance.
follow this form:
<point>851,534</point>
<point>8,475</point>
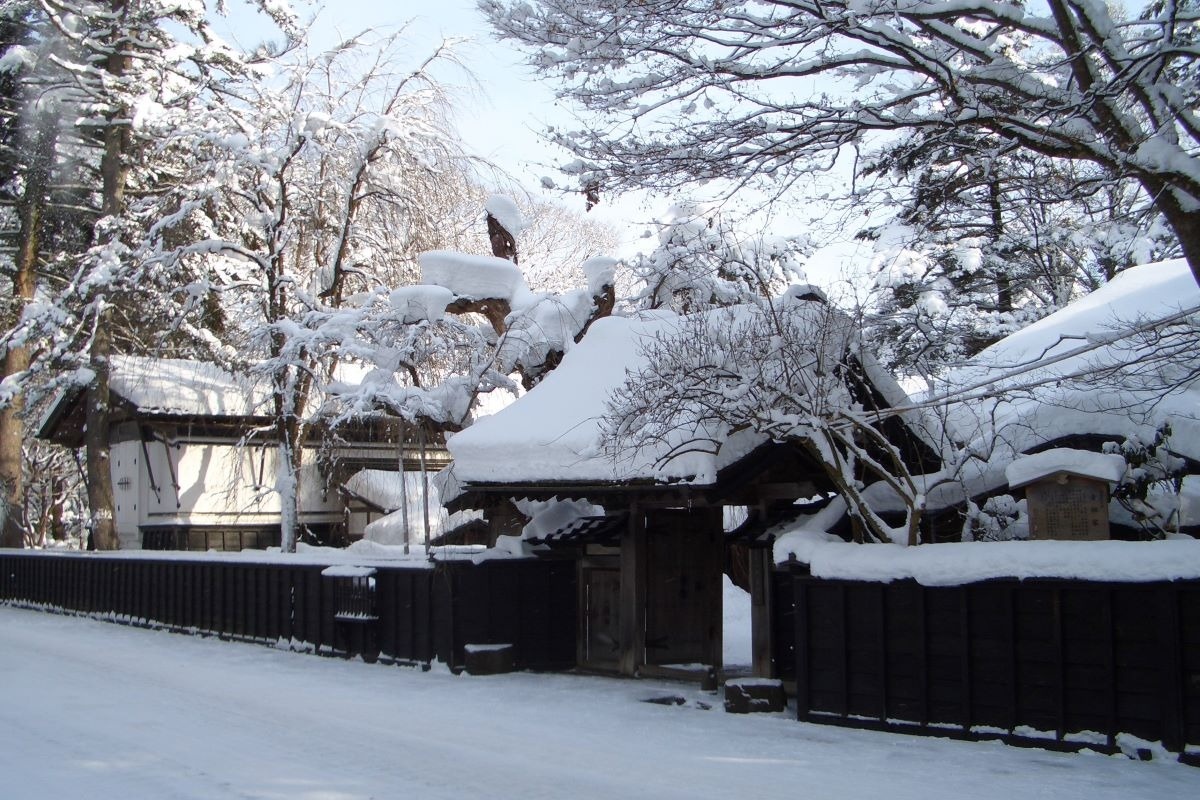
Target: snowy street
<point>97,710</point>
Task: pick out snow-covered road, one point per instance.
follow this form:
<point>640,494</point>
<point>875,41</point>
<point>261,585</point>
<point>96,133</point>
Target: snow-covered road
<point>95,710</point>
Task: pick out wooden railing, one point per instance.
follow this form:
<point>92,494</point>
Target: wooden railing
<point>420,614</point>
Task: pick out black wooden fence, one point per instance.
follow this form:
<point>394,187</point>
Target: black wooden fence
<point>418,614</point>
<point>1057,661</point>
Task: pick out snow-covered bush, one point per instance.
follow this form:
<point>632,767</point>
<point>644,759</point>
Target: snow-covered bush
<point>1150,490</point>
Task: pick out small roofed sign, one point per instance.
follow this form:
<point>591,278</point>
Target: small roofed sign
<point>1067,492</point>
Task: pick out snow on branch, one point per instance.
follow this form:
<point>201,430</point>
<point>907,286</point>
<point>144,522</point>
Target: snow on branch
<point>786,371</point>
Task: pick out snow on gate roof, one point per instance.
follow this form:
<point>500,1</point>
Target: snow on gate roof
<point>553,434</point>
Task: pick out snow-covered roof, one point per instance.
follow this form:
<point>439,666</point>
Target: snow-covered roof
<point>1108,467</point>
<point>553,434</point>
<point>187,388</point>
<point>1071,374</point>
<point>386,489</point>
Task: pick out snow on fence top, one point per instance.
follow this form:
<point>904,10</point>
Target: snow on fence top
<point>361,554</point>
<point>952,564</point>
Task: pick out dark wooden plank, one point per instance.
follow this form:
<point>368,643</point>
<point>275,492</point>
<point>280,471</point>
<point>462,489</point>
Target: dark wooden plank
<point>919,595</point>
<point>1171,681</point>
<point>836,612</point>
<point>1059,692</point>
<point>800,615</point>
<point>964,634</point>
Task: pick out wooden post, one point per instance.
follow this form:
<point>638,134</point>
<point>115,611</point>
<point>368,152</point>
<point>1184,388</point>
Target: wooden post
<point>761,614</point>
<point>1010,634</point>
<point>923,650</point>
<point>714,542</point>
<point>1060,671</point>
<point>633,592</point>
<point>841,645</point>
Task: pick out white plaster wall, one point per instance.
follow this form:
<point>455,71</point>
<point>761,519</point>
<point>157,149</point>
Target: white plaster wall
<point>223,484</point>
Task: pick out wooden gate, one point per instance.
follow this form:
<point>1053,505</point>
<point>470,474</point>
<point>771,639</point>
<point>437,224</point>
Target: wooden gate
<point>683,588</point>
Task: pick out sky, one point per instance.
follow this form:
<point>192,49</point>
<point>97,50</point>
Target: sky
<point>503,106</point>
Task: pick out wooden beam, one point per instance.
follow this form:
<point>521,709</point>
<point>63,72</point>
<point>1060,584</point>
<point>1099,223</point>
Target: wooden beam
<point>792,490</point>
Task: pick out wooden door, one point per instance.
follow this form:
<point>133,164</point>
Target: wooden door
<point>683,588</point>
<point>600,611</point>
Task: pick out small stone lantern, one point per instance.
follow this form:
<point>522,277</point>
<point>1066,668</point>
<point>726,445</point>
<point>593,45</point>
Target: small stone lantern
<point>1067,492</point>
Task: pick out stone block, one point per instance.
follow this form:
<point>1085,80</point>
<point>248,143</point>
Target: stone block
<point>750,695</point>
<point>490,659</point>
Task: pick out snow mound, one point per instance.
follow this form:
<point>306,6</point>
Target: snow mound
<point>420,303</point>
<point>506,213</point>
<point>600,272</point>
<point>471,276</point>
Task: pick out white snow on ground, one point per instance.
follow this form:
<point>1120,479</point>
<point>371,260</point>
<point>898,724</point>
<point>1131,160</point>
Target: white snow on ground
<point>104,711</point>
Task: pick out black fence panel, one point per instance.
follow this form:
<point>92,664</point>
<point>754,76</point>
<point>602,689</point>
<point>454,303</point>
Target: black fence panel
<point>529,604</point>
<point>1057,661</point>
<point>417,613</point>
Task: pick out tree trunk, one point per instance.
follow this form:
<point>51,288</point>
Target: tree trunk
<point>16,357</point>
<point>1187,228</point>
<point>114,173</point>
<point>95,438</point>
<point>1183,217</point>
<point>1004,293</point>
<point>286,486</point>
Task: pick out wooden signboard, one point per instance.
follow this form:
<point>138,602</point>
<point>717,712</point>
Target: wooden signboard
<point>1065,506</point>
